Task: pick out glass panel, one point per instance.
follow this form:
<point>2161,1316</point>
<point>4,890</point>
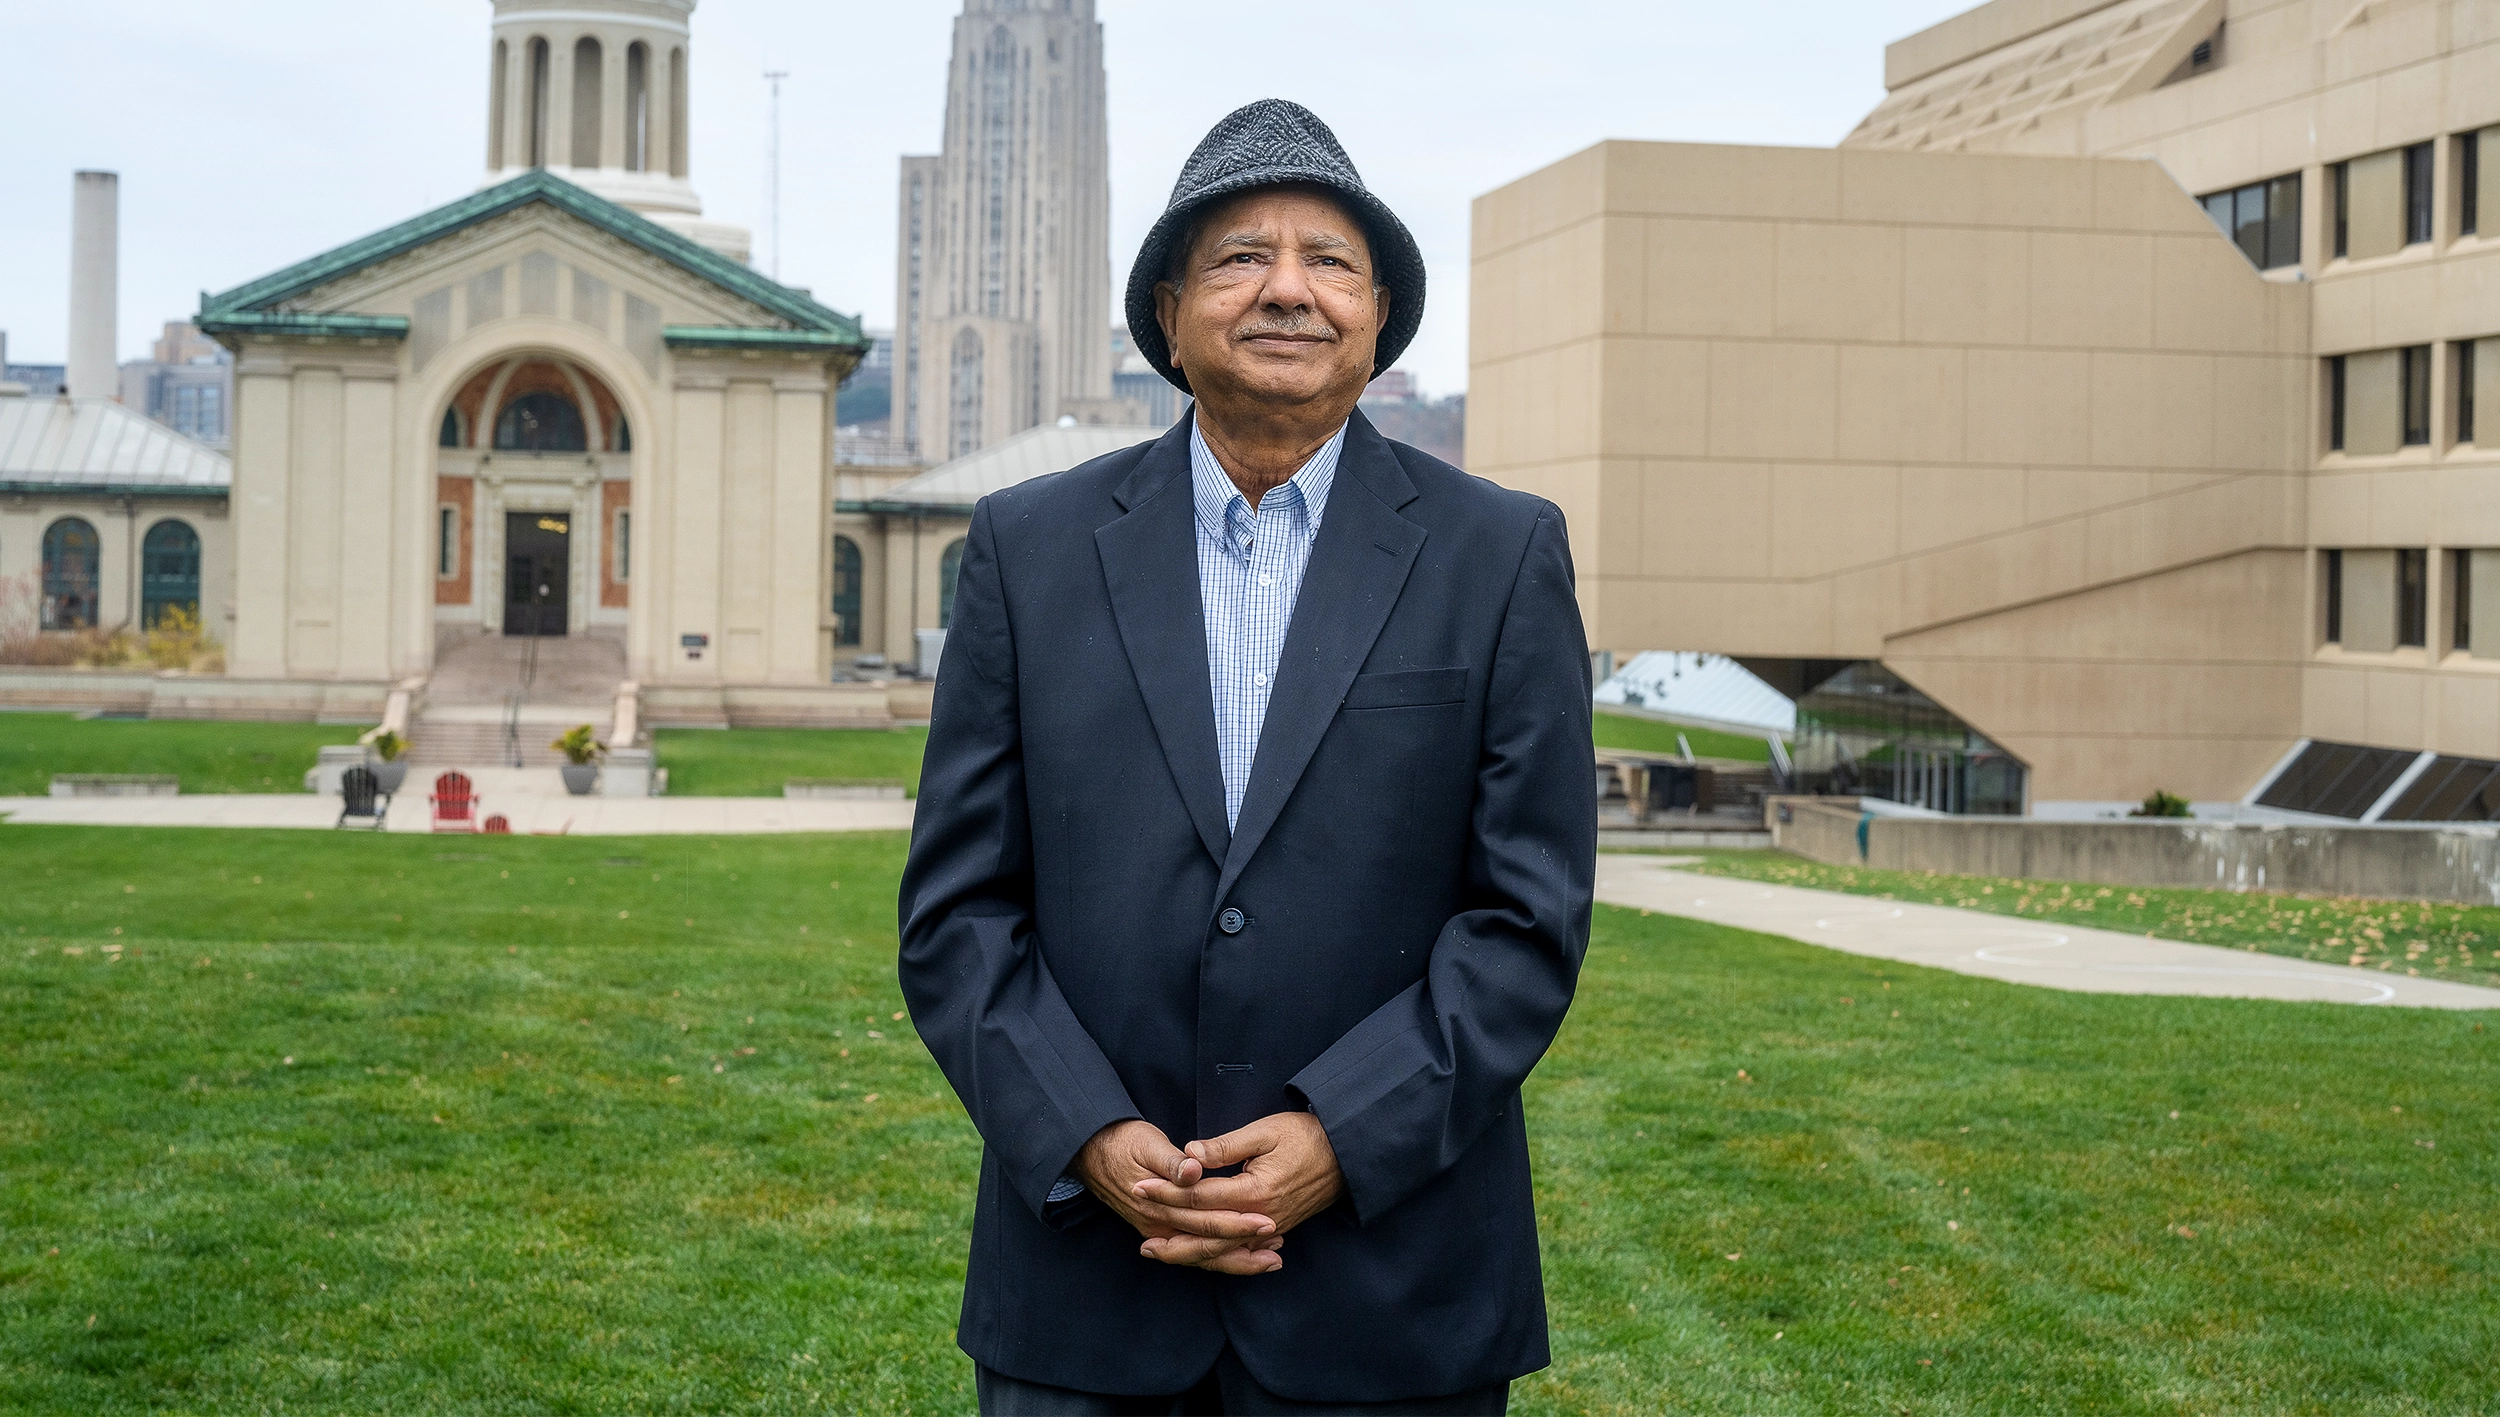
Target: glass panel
<point>2218,207</point>
<point>2412,597</point>
<point>2417,394</point>
<point>2336,779</point>
<point>2283,222</point>
<point>2418,193</point>
<point>1867,732</point>
<point>2249,228</point>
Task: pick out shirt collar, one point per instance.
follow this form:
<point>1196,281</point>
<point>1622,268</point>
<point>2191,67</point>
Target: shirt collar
<point>1215,492</point>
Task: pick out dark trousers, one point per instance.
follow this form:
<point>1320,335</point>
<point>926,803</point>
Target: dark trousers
<point>1226,1391</point>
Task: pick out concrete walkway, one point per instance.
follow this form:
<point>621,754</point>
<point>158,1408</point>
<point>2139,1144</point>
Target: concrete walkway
<point>2010,948</point>
<point>532,799</point>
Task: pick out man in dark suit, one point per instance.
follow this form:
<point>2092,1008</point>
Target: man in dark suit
<point>1257,815</point>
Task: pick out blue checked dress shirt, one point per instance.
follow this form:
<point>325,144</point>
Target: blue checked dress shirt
<point>1250,568</point>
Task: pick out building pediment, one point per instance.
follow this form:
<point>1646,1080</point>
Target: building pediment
<point>534,246</point>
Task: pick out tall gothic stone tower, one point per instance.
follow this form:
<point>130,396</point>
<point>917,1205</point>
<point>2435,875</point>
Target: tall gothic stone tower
<point>1003,299</point>
<point>594,91</point>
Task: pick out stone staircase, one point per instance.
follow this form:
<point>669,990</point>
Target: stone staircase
<point>574,682</point>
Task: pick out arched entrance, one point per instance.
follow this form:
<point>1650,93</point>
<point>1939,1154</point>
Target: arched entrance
<point>533,477</point>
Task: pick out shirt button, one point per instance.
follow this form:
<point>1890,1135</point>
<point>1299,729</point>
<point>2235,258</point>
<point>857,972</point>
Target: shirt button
<point>1259,679</point>
<point>1267,580</point>
<point>1231,921</point>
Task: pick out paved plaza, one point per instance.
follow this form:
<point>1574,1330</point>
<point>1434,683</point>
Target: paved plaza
<point>2016,951</point>
<point>531,799</point>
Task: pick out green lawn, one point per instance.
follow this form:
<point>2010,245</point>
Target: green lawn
<point>2431,939</point>
<point>208,757</point>
<point>303,1122</point>
<point>1648,735</point>
<point>754,762</point>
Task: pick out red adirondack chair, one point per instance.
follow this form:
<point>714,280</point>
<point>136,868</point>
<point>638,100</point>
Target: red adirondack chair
<point>497,826</point>
<point>455,805</point>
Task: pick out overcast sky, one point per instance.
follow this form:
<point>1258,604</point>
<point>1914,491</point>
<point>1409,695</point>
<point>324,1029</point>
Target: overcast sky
<point>253,133</point>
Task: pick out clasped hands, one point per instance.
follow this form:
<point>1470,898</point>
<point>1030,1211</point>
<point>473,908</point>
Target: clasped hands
<point>1228,1224</point>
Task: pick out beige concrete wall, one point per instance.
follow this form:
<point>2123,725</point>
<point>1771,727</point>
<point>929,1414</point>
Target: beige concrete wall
<point>1802,402</point>
<point>2005,410</point>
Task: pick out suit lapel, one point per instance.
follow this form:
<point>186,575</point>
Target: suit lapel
<point>1358,565</point>
<point>1150,563</point>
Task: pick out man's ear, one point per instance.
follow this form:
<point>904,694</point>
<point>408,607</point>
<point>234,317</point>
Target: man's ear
<point>1167,315</point>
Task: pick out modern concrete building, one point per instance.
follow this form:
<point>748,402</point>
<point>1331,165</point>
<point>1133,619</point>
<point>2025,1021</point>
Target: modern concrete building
<point>185,383</point>
<point>2099,417</point>
<point>1003,284</point>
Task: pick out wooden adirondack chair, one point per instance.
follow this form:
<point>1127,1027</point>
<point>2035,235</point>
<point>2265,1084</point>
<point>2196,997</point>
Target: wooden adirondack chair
<point>362,799</point>
<point>455,805</point>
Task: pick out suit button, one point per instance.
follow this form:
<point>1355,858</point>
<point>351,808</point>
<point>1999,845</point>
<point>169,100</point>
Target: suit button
<point>1231,921</point>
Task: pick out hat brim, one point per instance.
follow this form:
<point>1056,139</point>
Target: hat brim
<point>1398,263</point>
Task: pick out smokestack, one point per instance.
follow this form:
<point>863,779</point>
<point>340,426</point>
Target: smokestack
<point>94,280</point>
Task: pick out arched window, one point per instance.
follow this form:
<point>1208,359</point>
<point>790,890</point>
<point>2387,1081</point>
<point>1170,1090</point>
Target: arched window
<point>169,572</point>
<point>72,566</point>
<point>495,107</point>
<point>541,423</point>
<point>449,436</point>
<point>964,394</point>
<point>623,442</point>
<point>637,107</point>
<point>846,583</point>
<point>535,144</point>
<point>587,87</point>
<point>998,74</point>
<point>950,565</point>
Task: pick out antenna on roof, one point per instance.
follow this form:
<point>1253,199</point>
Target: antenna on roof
<point>772,179</point>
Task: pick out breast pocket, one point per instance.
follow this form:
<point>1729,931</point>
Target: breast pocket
<point>1407,688</point>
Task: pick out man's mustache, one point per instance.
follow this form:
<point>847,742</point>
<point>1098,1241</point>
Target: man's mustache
<point>1303,326</point>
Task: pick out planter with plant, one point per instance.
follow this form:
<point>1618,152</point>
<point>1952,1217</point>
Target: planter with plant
<point>581,759</point>
<point>388,751</point>
<point>2164,804</point>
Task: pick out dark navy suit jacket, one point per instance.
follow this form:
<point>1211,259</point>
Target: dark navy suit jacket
<point>1414,856</point>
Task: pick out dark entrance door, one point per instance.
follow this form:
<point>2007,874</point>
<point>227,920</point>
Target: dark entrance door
<point>537,569</point>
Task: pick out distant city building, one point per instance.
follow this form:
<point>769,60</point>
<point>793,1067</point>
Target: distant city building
<point>1398,408</point>
<point>1004,255</point>
<point>1151,399</point>
<point>41,380</point>
<point>187,384</point>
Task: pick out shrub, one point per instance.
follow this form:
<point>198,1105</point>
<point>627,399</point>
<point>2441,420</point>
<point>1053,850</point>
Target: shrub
<point>2163,804</point>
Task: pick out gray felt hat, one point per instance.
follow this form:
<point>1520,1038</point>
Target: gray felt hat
<point>1265,144</point>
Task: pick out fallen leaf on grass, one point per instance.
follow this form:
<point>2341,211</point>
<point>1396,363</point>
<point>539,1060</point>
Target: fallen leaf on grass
<point>869,1098</point>
<point>1735,1256</point>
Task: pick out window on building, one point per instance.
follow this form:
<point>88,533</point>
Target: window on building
<point>72,571</point>
<point>2343,208</point>
<point>2412,597</point>
<point>624,545</point>
<point>950,566</point>
<point>169,573</point>
<point>2469,183</point>
<point>589,65</point>
<point>2414,388</point>
<point>623,442</point>
<point>2262,219</point>
<point>2465,391</point>
<point>2335,403</point>
<point>847,579</point>
<point>447,542</point>
<point>2460,600</point>
<point>212,412</point>
<point>2334,578</point>
<point>2417,193</point>
<point>542,423</point>
<point>448,436</point>
<point>963,390</point>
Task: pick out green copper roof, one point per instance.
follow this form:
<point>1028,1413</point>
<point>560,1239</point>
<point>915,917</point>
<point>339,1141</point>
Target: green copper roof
<point>536,185</point>
<point>747,337</point>
<point>261,322</point>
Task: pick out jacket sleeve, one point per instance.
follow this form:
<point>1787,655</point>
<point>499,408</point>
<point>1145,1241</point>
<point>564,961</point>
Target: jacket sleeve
<point>1408,1090</point>
<point>981,995</point>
